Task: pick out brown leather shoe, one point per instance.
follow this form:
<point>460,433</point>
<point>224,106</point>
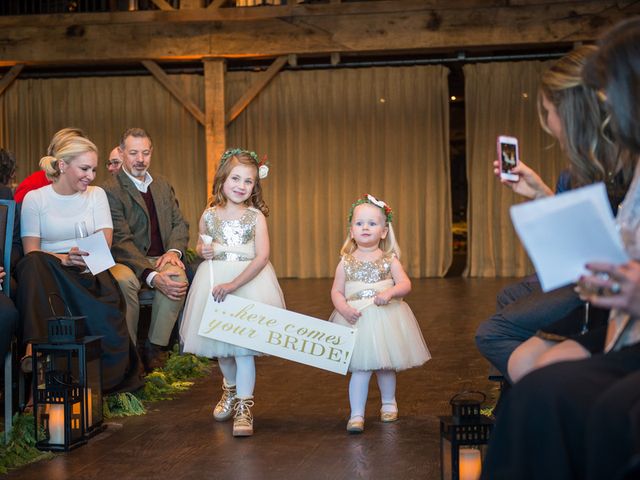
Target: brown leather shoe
<point>153,356</point>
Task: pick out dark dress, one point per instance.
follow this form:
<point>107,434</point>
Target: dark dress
<point>44,282</point>
<point>571,420</point>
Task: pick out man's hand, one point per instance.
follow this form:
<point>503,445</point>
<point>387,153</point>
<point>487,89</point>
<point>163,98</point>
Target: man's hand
<point>171,258</point>
<point>164,282</point>
<point>2,275</point>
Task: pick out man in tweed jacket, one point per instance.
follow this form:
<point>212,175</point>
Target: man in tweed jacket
<point>150,237</point>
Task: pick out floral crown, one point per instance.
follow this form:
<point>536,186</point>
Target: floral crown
<point>263,165</point>
<point>366,198</point>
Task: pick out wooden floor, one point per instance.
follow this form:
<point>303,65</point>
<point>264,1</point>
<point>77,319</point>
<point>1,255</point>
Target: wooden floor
<point>300,412</point>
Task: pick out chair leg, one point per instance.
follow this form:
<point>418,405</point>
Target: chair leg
<point>8,396</point>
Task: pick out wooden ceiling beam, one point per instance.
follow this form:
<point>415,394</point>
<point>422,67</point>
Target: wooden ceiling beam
<point>379,27</point>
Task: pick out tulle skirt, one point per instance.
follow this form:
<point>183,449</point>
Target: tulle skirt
<point>263,288</point>
<point>388,338</point>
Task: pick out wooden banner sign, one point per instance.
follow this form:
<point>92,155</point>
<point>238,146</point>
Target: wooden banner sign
<point>279,332</point>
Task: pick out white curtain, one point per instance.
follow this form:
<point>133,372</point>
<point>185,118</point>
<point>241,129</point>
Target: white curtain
<point>501,100</point>
<point>332,135</point>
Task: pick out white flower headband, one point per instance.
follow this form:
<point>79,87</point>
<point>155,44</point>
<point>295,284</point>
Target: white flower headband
<point>263,165</point>
<point>367,198</point>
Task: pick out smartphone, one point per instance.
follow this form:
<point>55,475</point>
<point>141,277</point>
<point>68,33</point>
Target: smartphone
<point>509,157</point>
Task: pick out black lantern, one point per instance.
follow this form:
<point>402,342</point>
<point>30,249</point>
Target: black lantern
<point>67,392</point>
<point>463,438</point>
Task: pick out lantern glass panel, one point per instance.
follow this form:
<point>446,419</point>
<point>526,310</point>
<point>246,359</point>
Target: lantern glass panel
<point>93,386</point>
<point>58,408</point>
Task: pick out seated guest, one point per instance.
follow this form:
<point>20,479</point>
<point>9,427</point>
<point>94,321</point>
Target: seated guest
<point>53,270</point>
<point>571,112</point>
<point>150,238</point>
<point>581,419</point>
<point>7,173</point>
<point>8,319</point>
<point>114,163</point>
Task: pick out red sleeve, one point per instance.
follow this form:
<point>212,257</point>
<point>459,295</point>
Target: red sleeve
<point>32,182</point>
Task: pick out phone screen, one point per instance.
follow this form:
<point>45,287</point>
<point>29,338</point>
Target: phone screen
<point>508,156</point>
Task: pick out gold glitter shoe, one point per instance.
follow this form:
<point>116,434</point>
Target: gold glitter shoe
<point>389,416</point>
<point>224,409</point>
<point>355,424</point>
<point>242,418</point>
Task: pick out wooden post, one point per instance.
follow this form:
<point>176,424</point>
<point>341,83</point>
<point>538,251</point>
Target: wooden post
<point>214,113</point>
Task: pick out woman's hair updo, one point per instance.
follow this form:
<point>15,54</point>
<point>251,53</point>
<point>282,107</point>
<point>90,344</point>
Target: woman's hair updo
<point>65,145</point>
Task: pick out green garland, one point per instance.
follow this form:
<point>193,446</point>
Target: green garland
<point>21,448</point>
<point>161,384</point>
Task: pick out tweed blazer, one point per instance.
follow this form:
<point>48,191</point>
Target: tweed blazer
<point>131,222</point>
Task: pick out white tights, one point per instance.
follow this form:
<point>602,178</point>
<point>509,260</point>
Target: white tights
<point>359,390</point>
<point>241,372</point>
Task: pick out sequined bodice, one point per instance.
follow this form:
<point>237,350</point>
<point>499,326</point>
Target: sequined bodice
<point>231,232</point>
<point>233,240</point>
<point>367,272</point>
<point>366,279</point>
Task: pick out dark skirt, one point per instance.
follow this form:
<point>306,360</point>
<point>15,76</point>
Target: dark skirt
<point>590,334</point>
<point>44,284</point>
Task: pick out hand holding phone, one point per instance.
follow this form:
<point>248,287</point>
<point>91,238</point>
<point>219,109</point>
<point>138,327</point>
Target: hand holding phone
<point>508,156</point>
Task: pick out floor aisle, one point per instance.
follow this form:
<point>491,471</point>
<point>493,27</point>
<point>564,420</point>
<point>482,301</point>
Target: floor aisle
<point>300,412</point>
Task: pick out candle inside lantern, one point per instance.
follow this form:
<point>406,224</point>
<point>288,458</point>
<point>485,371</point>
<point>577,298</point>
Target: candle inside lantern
<point>470,464</point>
<point>56,424</point>
<point>89,409</point>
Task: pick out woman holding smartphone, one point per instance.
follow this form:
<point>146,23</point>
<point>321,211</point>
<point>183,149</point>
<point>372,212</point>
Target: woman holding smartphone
<point>580,419</point>
<point>572,113</point>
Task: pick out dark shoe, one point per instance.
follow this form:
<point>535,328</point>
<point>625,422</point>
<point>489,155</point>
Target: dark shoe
<point>153,356</point>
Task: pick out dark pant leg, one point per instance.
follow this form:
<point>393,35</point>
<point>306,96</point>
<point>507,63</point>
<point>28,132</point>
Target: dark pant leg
<point>500,335</point>
<point>8,324</point>
<point>541,428</point>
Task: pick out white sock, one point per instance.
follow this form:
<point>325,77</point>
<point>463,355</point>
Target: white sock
<point>387,386</point>
<point>358,392</point>
<point>228,368</point>
<point>246,376</point>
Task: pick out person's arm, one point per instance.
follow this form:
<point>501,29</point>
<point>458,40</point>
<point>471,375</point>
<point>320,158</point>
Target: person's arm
<point>401,287</point>
<point>529,183</point>
<point>72,259</point>
<point>102,214</point>
<point>123,246</point>
<point>255,266</point>
<point>202,249</point>
<point>176,244</point>
<point>179,237</point>
<point>338,298</point>
<point>32,235</point>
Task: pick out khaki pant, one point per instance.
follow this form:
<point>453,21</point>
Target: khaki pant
<point>164,311</point>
